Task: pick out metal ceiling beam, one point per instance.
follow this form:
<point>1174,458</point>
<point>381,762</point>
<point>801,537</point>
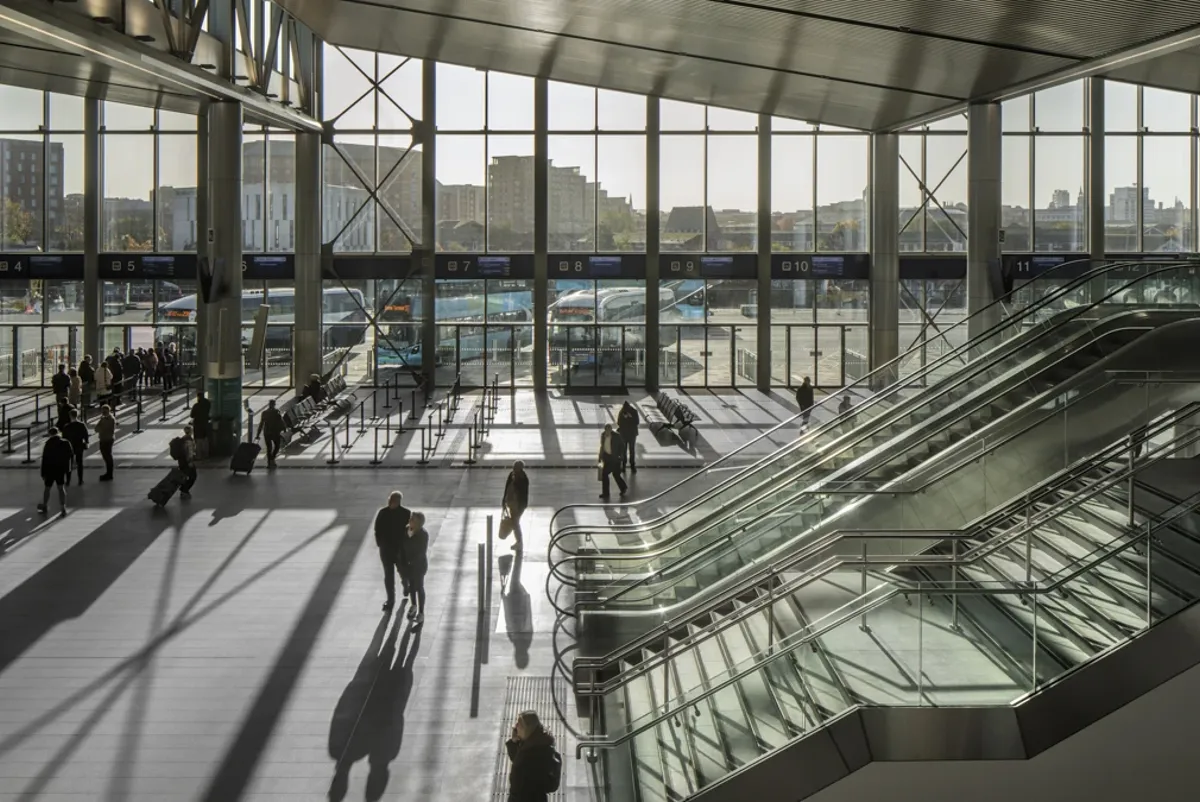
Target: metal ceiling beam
<point>1147,51</point>
<point>98,44</point>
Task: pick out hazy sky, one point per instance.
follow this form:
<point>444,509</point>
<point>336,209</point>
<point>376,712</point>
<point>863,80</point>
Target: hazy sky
<point>469,99</point>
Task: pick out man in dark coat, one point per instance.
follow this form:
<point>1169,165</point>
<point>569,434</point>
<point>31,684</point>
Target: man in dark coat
<point>61,384</point>
<point>76,433</point>
<point>271,426</point>
<point>414,564</point>
<point>516,499</point>
<point>611,449</point>
<point>804,398</point>
<point>391,523</point>
<point>56,464</point>
<point>628,421</point>
<point>535,764</point>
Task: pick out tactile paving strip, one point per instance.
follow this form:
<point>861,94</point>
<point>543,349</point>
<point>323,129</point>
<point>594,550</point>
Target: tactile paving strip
<point>530,693</point>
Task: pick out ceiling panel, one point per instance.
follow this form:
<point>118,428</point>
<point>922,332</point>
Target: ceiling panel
<point>1180,71</point>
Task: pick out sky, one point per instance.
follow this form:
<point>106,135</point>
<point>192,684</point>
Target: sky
<point>469,99</point>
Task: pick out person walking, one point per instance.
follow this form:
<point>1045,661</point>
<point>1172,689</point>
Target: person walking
<point>844,414</point>
<point>390,524</point>
<point>516,500</point>
<point>56,464</point>
<point>270,428</point>
<point>76,433</point>
<point>804,399</point>
<point>201,410</point>
<point>75,391</point>
<point>132,367</point>
<point>170,364</point>
<point>87,375</point>
<point>106,434</point>
<point>536,765</point>
<point>104,384</point>
<point>611,449</point>
<point>118,375</point>
<point>149,367</point>
<point>61,384</point>
<point>628,420</point>
<point>183,451</point>
<point>414,563</point>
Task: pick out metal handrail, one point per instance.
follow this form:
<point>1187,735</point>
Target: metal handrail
<point>880,421</point>
<point>973,531</point>
<point>885,368</point>
<point>906,587</point>
<point>1028,312</point>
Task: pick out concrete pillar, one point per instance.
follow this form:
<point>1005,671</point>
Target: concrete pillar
<point>223,309</point>
<point>1095,182</point>
<point>423,261</point>
<point>885,252</point>
<point>307,356</point>
<point>983,212</point>
<point>541,224</point>
<point>203,249</point>
<point>763,317</point>
<point>653,279</point>
<point>93,295</point>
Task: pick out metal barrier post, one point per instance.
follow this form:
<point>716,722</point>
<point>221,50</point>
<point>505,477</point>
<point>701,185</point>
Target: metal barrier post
<point>362,417</point>
<point>441,430</point>
<point>495,394</point>
<point>413,403</point>
<point>346,445</point>
<point>470,460</point>
<point>862,624</point>
<point>375,460</point>
<point>37,410</point>
<point>482,572</point>
<point>9,449</point>
<point>28,446</point>
<point>400,416</point>
<point>424,460</point>
<point>490,549</point>
<point>164,407</point>
<point>137,429</point>
<point>387,395</point>
<point>954,585</point>
<point>395,386</point>
<point>374,403</point>
<point>387,432</point>
<point>333,460</point>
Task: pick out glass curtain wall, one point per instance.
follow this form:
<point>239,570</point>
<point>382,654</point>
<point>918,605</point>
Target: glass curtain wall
<point>819,200</point>
<point>371,206</point>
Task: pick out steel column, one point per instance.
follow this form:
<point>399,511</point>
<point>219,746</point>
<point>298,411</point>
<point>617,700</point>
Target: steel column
<point>307,335</point>
<point>541,220</point>
<point>93,292</point>
<point>653,158</point>
<point>885,252</point>
<point>983,210</point>
<point>1095,181</point>
<point>428,222</point>
<point>762,375</point>
<point>203,248</point>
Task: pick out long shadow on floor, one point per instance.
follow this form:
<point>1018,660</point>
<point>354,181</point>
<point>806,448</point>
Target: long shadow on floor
<point>518,616</point>
<point>369,718</point>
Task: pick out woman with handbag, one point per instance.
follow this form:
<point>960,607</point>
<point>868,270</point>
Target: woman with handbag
<point>516,499</point>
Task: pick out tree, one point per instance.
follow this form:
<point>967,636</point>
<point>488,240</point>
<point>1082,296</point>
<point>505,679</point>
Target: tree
<point>17,224</point>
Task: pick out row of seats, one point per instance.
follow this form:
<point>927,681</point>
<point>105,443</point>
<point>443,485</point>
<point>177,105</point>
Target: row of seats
<point>301,415</point>
<point>668,413</point>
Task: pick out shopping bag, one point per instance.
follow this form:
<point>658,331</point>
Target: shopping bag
<point>506,525</point>
<point>600,472</point>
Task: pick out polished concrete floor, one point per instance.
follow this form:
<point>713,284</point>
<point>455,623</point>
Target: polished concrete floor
<point>232,647</point>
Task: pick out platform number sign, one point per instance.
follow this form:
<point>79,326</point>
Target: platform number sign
<point>12,266</point>
<point>121,266</point>
<point>795,266</point>
<point>566,266</point>
<point>458,265</point>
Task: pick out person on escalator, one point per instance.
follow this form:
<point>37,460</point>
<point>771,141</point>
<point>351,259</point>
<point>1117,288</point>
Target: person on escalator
<point>844,414</point>
<point>1137,439</point>
<point>804,399</point>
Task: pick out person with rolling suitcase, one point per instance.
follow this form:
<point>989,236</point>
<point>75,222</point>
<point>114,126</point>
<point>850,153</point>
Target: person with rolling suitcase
<point>183,451</point>
<point>244,456</point>
<point>270,428</point>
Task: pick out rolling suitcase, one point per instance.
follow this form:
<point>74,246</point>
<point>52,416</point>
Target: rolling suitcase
<point>243,457</point>
<point>161,493</point>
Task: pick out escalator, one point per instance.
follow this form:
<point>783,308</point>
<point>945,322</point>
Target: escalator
<point>759,692</point>
<point>1014,371</point>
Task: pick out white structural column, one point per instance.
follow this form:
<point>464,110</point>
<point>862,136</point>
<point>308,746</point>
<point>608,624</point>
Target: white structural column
<point>983,212</point>
<point>653,245</point>
<point>92,193</point>
<point>541,237</point>
<point>885,251</point>
<point>223,305</point>
<point>423,261</point>
<point>1095,181</point>
<point>308,331</point>
<point>762,378</point>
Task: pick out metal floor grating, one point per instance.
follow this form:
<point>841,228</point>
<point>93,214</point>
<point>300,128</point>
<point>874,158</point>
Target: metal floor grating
<point>530,693</point>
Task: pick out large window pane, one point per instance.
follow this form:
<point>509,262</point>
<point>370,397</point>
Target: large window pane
<point>23,109</point>
<point>401,94</point>
<point>571,194</point>
<point>1015,114</point>
<point>1165,173</point>
<point>461,177</point>
<point>842,178</point>
<point>681,183</point>
<point>1061,217</point>
<point>571,107</point>
<point>912,196</point>
<point>66,111</point>
<point>128,182</point>
<point>1121,193</point>
<point>621,193</point>
<point>1014,194</point>
<point>348,220</point>
<point>1059,108</point>
<point>792,193</point>
<point>1163,110</point>
<point>254,190</point>
<point>346,96</point>
<point>511,193</point>
<point>281,193</point>
<point>22,191</point>
<point>120,117</point>
<point>946,178</point>
<point>510,102</point>
<point>620,111</point>
<point>733,192</point>
<point>176,192</point>
<point>731,120</point>
<point>1120,107</point>
<point>399,213</point>
<point>460,98</point>
<point>678,116</point>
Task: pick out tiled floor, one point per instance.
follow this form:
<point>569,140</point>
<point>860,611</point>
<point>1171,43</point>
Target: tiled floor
<point>542,429</point>
<point>231,646</point>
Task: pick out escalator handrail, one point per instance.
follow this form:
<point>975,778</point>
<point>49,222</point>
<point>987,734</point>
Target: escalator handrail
<point>970,532</point>
<point>1010,322</point>
<point>1132,536</point>
<point>882,369</point>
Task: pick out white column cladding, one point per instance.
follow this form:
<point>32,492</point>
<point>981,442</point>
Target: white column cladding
<point>307,337</point>
<point>1095,182</point>
<point>885,251</point>
<point>223,350</point>
<point>92,193</point>
<point>983,212</point>
<point>762,378</point>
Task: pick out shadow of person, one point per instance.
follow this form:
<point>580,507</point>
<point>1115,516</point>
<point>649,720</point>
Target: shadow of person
<point>518,618</point>
<point>368,720</point>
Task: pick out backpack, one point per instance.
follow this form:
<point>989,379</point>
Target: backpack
<point>554,772</point>
<point>178,449</point>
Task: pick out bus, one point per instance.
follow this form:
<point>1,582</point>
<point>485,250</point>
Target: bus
<point>574,315</point>
<point>472,324</point>
<point>342,310</point>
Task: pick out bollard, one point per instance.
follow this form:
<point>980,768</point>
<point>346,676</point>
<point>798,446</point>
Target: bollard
<point>424,460</point>
<point>400,416</point>
<point>362,419</point>
<point>387,432</point>
<point>482,569</point>
<point>375,457</point>
<point>490,553</point>
<point>375,403</point>
<point>470,460</point>
<point>387,395</point>
<point>9,449</point>
<point>137,429</point>
<point>28,446</point>
<point>164,406</point>
<point>441,430</point>
<point>413,401</point>
<point>333,460</point>
<point>37,410</point>
<point>346,445</point>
